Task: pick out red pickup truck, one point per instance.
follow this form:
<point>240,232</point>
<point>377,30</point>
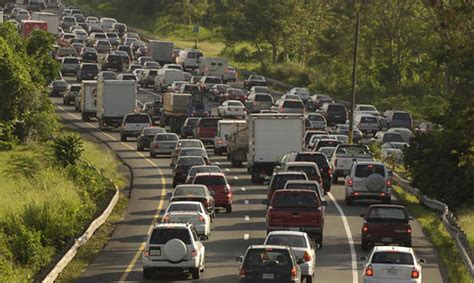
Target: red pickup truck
<point>296,210</point>
<point>386,224</point>
<point>206,129</point>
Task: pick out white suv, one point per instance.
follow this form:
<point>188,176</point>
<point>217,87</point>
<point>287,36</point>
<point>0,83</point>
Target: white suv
<point>369,180</point>
<point>173,247</point>
<point>133,124</point>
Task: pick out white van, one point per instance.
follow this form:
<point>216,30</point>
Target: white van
<point>165,77</point>
<point>107,24</point>
<point>189,59</point>
<point>212,67</point>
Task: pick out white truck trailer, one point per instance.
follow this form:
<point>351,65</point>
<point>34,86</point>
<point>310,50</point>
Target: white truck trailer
<point>270,137</point>
<point>161,51</point>
<point>88,100</point>
<point>115,99</point>
<point>213,67</point>
<point>50,18</point>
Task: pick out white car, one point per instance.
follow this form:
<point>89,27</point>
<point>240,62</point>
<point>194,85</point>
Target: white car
<point>231,108</point>
<point>173,247</point>
<point>301,245</point>
<point>302,92</point>
<point>368,180</point>
<point>406,134</point>
<point>188,143</point>
<point>393,150</point>
<point>163,143</point>
<point>366,109</point>
<point>392,264</point>
<point>317,120</point>
<point>189,212</point>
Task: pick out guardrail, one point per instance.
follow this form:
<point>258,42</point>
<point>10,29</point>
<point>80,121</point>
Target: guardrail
<point>448,220</point>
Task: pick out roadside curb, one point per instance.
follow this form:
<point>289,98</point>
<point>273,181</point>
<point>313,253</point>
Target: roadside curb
<point>447,219</point>
<point>69,255</point>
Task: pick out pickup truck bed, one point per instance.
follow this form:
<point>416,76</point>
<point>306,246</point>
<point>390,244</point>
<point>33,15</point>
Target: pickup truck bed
<point>345,155</point>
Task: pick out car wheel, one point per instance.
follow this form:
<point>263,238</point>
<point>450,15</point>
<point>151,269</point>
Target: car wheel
<point>123,138</point>
<point>255,177</point>
<point>364,245</point>
<point>228,208</point>
<point>196,274</point>
<point>320,241</point>
<point>348,200</point>
<point>309,279</point>
<point>152,155</point>
<point>147,272</point>
<point>140,148</point>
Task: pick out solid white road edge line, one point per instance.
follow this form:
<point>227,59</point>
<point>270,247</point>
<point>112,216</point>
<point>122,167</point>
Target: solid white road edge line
<point>246,236</point>
<point>243,189</point>
<point>246,201</point>
<point>247,218</point>
<point>355,277</point>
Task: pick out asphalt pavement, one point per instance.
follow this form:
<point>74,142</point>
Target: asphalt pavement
<point>120,260</point>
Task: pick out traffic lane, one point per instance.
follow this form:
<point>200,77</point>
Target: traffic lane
<point>146,199</point>
<point>421,244</point>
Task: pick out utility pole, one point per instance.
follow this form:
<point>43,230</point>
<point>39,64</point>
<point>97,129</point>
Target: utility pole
<point>354,78</point>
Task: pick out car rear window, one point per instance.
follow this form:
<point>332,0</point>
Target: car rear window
<point>384,213</point>
<point>75,88</point>
<point>316,117</point>
<point>293,104</point>
<point>190,161</point>
<point>309,170</point>
<point>263,97</point>
<point>153,132</point>
<point>137,119</point>
<point>336,108</point>
<point>234,103</point>
<point>206,169</point>
<point>365,170</point>
<point>392,137</point>
<point>192,152</point>
<point>401,116</point>
<point>208,123</point>
<point>352,150</point>
<point>189,144</point>
<point>393,258</point>
<point>210,180</point>
<point>166,137</point>
<point>280,180</point>
<point>90,67</point>
<point>332,143</point>
<point>300,199</point>
<point>185,191</point>
<point>319,159</point>
<point>371,120</point>
<point>272,258</point>
<point>213,80</point>
<point>71,61</point>
<point>180,206</point>
<point>297,186</point>
<point>162,235</point>
<point>293,241</point>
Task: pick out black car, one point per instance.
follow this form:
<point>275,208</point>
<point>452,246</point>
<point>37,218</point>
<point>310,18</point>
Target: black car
<point>87,71</point>
<point>317,157</point>
<point>113,61</point>
<point>58,89</point>
<point>269,263</point>
<point>146,137</point>
<point>188,127</point>
<point>127,49</point>
<point>183,164</point>
<point>335,113</point>
<point>89,55</point>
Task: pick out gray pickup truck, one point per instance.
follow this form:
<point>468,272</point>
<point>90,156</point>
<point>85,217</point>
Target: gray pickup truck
<point>345,155</point>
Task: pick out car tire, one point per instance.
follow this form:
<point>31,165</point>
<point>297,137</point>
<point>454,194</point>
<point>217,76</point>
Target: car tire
<point>123,138</point>
<point>228,209</point>
<point>349,201</point>
<point>319,241</point>
<point>147,272</point>
<point>255,177</point>
<point>195,273</point>
<point>140,148</point>
<point>364,245</point>
<point>152,155</point>
<point>309,279</point>
<point>334,179</point>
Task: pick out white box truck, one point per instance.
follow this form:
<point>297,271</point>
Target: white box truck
<point>115,99</point>
<point>161,51</point>
<point>88,99</point>
<point>270,137</point>
<point>224,129</point>
<point>212,67</point>
<point>50,18</point>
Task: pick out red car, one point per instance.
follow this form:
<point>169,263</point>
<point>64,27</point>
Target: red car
<point>206,129</point>
<point>386,224</point>
<point>217,184</point>
<point>296,210</point>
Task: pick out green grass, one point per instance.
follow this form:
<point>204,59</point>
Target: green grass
<point>466,220</point>
<point>439,236</point>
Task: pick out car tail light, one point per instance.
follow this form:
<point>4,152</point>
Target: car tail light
<point>365,228</point>
<point>349,182</point>
<point>415,273</point>
<point>242,273</point>
<point>369,271</point>
<point>307,256</point>
<point>194,253</point>
<point>166,218</point>
<point>409,230</point>
<point>294,275</point>
<point>282,110</point>
<point>269,215</point>
<point>389,182</point>
<point>201,219</point>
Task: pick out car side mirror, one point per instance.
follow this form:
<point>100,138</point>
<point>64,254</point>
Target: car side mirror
<point>422,261</point>
<point>168,195</point>
<point>363,258</point>
<point>239,259</point>
<point>300,261</point>
<point>162,212</point>
<point>265,202</point>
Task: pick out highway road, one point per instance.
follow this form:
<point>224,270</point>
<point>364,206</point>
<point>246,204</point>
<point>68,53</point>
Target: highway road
<point>120,260</point>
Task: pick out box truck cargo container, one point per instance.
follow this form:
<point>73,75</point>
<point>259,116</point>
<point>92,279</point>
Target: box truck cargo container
<point>115,99</point>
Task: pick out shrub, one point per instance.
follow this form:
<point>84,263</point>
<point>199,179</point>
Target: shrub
<point>68,148</point>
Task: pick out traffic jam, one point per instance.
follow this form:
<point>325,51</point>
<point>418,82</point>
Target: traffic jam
<point>198,108</point>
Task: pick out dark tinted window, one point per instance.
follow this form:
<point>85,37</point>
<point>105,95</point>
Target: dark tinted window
<point>336,108</point>
<point>293,104</point>
<point>384,213</point>
<point>392,258</point>
<point>299,199</point>
<point>270,258</point>
<point>319,159</point>
<point>90,67</point>
<point>210,180</point>
<point>208,123</point>
<point>263,97</point>
<point>213,80</point>
<point>401,116</point>
<point>166,137</point>
<point>280,180</point>
<point>287,240</point>
<point>309,170</point>
<point>365,170</point>
<point>75,88</point>
<point>190,161</point>
<point>71,61</point>
<point>163,235</point>
<point>137,119</point>
<point>186,191</point>
<point>371,120</point>
<point>192,152</point>
<point>179,206</point>
<point>352,150</point>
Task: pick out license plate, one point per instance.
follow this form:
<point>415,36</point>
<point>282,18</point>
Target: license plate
<point>386,239</point>
<point>155,252</point>
<point>392,271</point>
<point>267,276</point>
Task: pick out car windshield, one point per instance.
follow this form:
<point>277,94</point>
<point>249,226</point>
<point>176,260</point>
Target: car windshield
<point>336,108</point>
<point>300,199</point>
<point>187,191</point>
<point>280,180</point>
<point>136,118</point>
<point>392,137</point>
<point>394,257</point>
<point>257,78</point>
<point>90,67</point>
<point>166,137</point>
<point>75,88</point>
<point>369,120</point>
<point>181,206</point>
<point>365,170</point>
<point>293,104</point>
<point>273,258</point>
<point>210,180</point>
<point>387,214</point>
<point>162,235</point>
<point>294,241</point>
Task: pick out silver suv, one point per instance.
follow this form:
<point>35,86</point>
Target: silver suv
<point>173,247</point>
<point>369,180</point>
<point>133,124</point>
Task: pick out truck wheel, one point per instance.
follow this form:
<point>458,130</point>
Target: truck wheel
<point>255,177</point>
<point>196,274</point>
<point>152,155</point>
<point>228,208</point>
<point>320,241</point>
<point>123,138</point>
<point>146,273</point>
<point>364,245</point>
<point>348,200</point>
